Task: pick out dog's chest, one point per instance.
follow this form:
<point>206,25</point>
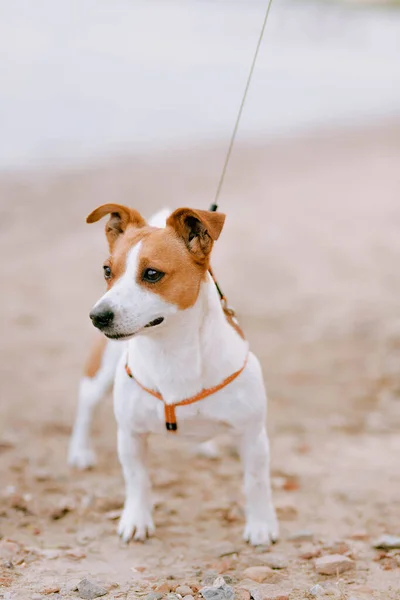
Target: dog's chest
<point>203,419</point>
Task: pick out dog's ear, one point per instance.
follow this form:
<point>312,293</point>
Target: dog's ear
<point>120,218</point>
<point>198,228</point>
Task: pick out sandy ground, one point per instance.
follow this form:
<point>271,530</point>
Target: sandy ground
<point>310,258</point>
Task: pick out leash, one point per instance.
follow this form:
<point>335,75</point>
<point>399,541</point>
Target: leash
<point>169,409</point>
<point>214,206</point>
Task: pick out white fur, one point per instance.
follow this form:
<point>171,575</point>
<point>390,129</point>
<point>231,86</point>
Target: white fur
<point>91,391</point>
<point>191,350</point>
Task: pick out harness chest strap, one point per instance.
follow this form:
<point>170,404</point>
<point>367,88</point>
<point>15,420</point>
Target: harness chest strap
<point>169,409</point>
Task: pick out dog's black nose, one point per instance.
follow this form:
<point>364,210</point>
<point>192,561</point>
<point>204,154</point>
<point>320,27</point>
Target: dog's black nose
<point>101,317</point>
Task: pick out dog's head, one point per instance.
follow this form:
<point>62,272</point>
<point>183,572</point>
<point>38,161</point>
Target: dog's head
<point>152,273</point>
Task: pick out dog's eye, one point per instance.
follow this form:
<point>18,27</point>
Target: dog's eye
<point>152,275</point>
<point>107,272</point>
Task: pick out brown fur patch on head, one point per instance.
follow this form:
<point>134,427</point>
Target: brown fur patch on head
<point>121,217</point>
<point>181,250</point>
<point>198,229</point>
<point>121,248</point>
<point>165,252</point>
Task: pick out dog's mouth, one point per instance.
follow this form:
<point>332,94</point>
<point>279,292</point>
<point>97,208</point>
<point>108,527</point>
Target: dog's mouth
<point>157,321</point>
<point>123,336</point>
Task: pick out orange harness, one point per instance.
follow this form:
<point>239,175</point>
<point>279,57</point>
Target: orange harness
<point>169,409</point>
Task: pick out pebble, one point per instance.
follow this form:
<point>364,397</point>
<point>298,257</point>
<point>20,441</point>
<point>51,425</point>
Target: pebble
<point>359,535</point>
<point>317,590</point>
<point>333,564</point>
<point>8,549</point>
<point>268,593</point>
<point>387,542</point>
<point>154,596</point>
<point>72,585</point>
<point>190,597</point>
<point>337,547</point>
<point>260,574</point>
<point>286,511</point>
<point>209,577</point>
<point>242,594</point>
<point>275,561</point>
<point>164,588</point>
<point>225,549</point>
<point>89,590</point>
<point>184,590</point>
<point>309,551</point>
<point>222,591</point>
<point>303,535</point>
<point>7,564</point>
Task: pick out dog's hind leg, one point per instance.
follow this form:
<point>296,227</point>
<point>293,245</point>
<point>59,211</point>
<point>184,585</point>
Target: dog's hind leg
<point>98,378</point>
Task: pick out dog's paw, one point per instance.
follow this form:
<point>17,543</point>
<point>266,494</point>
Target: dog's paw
<point>135,523</point>
<point>81,457</point>
<point>261,533</point>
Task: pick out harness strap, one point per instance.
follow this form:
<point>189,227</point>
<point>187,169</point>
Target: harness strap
<point>169,409</point>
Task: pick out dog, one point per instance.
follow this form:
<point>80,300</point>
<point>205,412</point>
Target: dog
<point>184,367</point>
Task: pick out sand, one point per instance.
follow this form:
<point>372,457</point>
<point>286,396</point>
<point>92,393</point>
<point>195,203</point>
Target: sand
<point>310,259</point>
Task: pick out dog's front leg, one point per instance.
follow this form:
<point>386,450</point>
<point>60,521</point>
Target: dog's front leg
<point>136,520</point>
<point>261,522</point>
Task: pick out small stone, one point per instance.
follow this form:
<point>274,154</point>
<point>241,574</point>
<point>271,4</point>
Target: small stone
<point>225,549</point>
<point>308,551</point>
<point>164,588</point>
<point>8,549</point>
<point>333,564</point>
<point>317,590</point>
<point>359,535</point>
<point>50,553</point>
<point>387,542</point>
<point>188,597</point>
<point>267,592</point>
<point>113,515</point>
<point>275,561</point>
<point>338,547</point>
<point>303,535</point>
<point>75,554</point>
<point>209,577</point>
<point>259,574</point>
<point>72,585</point>
<point>184,590</point>
<point>41,475</point>
<point>52,590</point>
<point>222,591</point>
<point>64,507</point>
<point>286,511</point>
<point>7,564</point>
<point>154,596</point>
<point>89,590</point>
<point>242,594</point>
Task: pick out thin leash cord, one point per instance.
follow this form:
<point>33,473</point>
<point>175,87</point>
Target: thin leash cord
<point>214,206</point>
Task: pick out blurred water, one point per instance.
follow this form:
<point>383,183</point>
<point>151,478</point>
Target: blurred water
<point>88,78</point>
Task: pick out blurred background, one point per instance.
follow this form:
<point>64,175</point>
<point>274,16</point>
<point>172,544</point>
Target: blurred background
<point>134,102</point>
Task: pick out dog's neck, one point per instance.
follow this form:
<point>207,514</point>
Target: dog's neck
<point>196,349</point>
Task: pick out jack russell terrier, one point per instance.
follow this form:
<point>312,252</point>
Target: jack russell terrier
<point>184,369</point>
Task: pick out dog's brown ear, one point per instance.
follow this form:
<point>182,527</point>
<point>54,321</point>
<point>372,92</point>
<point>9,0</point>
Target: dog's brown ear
<point>198,228</point>
<point>120,218</point>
